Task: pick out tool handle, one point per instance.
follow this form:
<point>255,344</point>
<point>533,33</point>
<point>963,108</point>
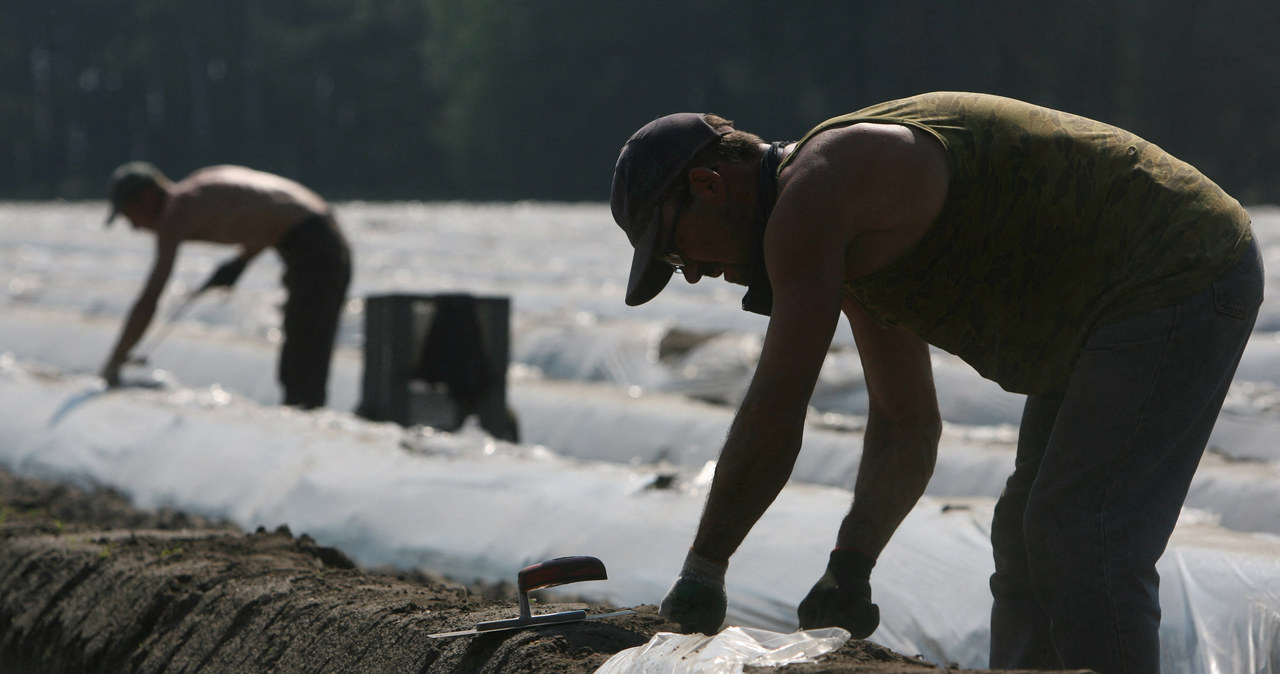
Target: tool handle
<point>560,571</point>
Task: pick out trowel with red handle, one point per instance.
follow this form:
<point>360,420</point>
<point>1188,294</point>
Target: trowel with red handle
<point>559,571</point>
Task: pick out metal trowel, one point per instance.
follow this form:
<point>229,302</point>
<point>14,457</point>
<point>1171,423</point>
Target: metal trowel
<point>559,571</point>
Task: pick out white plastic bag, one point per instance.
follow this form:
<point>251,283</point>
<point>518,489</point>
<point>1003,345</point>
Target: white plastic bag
<point>724,653</point>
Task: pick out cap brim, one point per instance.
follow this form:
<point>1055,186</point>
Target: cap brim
<point>648,276</point>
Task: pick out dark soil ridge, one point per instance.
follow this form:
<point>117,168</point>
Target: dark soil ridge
<point>88,584</point>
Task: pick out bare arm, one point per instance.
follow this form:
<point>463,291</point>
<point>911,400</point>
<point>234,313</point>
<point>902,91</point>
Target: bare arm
<point>144,308</point>
<point>765,437</point>
<point>858,197</point>
<point>804,253</point>
<point>851,203</point>
<point>854,201</point>
<point>900,445</point>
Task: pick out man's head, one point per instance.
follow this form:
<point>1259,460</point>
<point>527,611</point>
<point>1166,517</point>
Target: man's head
<point>130,182</point>
<point>652,161</point>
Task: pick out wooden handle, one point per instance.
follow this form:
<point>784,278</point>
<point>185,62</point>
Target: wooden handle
<point>560,571</point>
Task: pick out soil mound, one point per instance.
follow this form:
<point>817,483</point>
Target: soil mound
<point>88,583</point>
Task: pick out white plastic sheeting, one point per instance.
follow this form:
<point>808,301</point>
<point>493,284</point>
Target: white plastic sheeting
<point>597,411</point>
<point>472,507</point>
<point>724,653</point>
<point>601,422</point>
<point>1225,589</point>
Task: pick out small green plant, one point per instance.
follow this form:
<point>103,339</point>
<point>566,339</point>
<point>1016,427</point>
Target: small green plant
<point>175,550</point>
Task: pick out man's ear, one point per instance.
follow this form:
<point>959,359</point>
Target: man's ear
<point>706,182</point>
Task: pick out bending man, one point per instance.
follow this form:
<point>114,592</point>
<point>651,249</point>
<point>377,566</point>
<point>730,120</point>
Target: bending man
<point>253,210</point>
<point>1063,258</point>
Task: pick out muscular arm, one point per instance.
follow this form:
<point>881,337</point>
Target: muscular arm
<point>765,437</point>
<point>804,252</point>
<point>144,307</point>
<point>900,445</point>
<point>854,201</point>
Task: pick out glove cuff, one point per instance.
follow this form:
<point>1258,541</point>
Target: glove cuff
<point>851,563</point>
<point>702,570</point>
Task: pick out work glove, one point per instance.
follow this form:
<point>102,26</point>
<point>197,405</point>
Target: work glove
<point>226,274</point>
<point>697,600</point>
<point>842,597</point>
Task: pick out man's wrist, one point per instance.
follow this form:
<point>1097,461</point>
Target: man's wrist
<point>851,562</point>
<point>703,570</point>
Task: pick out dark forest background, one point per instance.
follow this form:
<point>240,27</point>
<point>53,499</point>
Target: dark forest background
<point>531,99</point>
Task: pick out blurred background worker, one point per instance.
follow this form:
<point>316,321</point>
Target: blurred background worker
<point>254,210</point>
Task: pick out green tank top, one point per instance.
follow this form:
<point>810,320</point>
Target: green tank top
<point>1053,225</point>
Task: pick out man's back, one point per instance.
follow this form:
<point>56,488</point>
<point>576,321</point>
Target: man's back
<point>237,205</point>
<point>1054,224</point>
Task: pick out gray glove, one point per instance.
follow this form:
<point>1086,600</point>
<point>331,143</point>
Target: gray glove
<point>842,597</point>
<point>697,600</point>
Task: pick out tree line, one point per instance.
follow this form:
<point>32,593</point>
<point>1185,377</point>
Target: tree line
<point>507,100</point>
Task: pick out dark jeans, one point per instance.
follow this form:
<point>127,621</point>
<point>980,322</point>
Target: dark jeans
<point>317,272</point>
<point>1103,466</point>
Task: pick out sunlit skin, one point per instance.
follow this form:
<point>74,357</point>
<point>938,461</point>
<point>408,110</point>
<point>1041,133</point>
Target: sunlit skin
<point>222,204</point>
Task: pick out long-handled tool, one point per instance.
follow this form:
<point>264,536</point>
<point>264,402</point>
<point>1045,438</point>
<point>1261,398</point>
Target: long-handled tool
<point>559,571</point>
<point>223,277</point>
<point>98,389</point>
<point>158,336</point>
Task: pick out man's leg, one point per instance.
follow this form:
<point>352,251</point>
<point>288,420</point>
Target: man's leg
<point>316,278</point>
<point>1128,437</point>
<point>310,328</point>
<point>1019,625</point>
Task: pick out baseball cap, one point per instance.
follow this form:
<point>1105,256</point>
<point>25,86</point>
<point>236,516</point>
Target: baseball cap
<point>128,181</point>
<point>649,163</point>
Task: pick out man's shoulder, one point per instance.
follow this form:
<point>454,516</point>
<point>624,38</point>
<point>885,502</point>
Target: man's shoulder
<point>863,151</point>
<point>885,183</point>
<point>224,174</point>
<point>230,182</point>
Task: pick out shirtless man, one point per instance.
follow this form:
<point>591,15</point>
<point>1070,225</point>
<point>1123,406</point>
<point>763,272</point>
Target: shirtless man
<point>1063,258</point>
<point>253,210</point>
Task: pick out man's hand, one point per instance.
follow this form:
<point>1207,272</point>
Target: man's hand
<point>697,607</point>
<point>226,274</point>
<point>842,597</point>
<point>111,374</point>
<point>697,600</point>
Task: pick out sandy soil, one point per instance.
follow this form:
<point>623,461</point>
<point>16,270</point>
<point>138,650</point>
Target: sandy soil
<point>88,583</point>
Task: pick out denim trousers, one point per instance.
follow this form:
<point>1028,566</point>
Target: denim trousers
<point>1104,463</point>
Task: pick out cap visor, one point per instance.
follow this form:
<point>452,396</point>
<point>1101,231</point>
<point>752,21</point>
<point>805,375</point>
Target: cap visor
<point>648,276</point>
